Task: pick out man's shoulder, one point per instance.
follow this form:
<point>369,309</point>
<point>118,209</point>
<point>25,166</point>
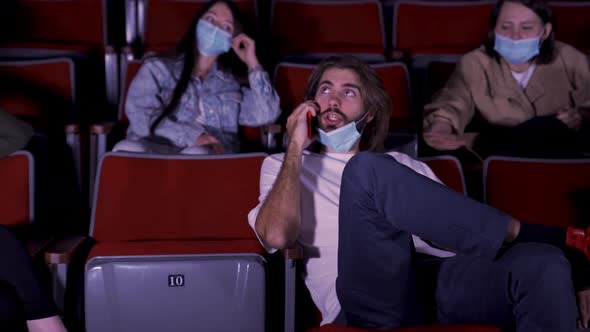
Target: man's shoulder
<point>280,157</point>
<point>272,163</point>
<point>275,157</point>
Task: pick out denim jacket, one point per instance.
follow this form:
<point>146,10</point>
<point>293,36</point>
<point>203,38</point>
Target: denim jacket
<point>219,96</point>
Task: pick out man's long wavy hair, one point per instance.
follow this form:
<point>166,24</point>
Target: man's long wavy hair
<point>375,99</point>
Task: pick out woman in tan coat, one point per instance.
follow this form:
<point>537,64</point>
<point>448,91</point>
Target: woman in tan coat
<point>522,93</point>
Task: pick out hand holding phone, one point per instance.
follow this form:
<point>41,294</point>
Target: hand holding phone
<point>312,125</point>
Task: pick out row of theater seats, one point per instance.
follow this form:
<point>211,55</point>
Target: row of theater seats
<point>55,78</point>
<point>73,73</point>
<point>171,247</point>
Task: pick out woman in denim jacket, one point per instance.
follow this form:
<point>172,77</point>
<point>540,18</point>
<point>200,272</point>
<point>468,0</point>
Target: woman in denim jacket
<point>192,102</point>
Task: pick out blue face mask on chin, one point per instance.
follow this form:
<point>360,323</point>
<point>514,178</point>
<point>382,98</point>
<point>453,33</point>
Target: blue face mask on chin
<point>212,41</point>
<point>517,51</point>
<point>343,138</point>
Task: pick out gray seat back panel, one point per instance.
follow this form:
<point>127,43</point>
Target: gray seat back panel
<point>224,292</point>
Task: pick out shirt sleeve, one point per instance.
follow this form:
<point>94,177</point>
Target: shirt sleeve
<point>146,101</point>
<point>14,133</point>
<point>268,175</point>
<point>260,102</point>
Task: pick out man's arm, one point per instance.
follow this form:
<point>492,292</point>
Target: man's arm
<point>14,134</point>
<point>279,218</point>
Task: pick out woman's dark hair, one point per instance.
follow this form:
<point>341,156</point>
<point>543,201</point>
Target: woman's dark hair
<point>375,99</point>
<point>187,50</point>
<point>541,8</point>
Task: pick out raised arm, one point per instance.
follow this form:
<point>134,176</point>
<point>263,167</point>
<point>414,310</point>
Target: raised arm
<point>279,218</point>
<point>260,102</point>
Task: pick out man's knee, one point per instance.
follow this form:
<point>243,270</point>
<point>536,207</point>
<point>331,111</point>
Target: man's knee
<point>129,146</point>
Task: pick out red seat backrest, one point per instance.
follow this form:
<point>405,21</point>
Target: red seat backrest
<point>303,27</point>
<point>448,170</point>
<point>37,89</point>
<point>396,82</point>
<point>572,23</point>
<point>438,73</point>
<point>63,21</point>
<point>166,21</point>
<point>551,192</point>
<point>16,176</point>
<point>290,81</point>
<point>440,27</point>
<point>155,197</point>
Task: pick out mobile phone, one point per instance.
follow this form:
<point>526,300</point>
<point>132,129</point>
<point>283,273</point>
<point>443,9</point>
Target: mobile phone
<point>312,125</point>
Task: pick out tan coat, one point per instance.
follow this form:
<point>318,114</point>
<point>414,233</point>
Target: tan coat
<point>482,84</point>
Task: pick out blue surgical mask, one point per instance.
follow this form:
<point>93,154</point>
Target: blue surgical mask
<point>517,51</point>
<point>343,138</point>
<point>212,41</point>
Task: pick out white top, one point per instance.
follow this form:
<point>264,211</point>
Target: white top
<point>321,175</point>
<point>523,78</point>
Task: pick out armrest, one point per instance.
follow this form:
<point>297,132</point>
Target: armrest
<point>36,246</point>
<point>130,52</point>
<point>101,128</point>
<point>62,251</point>
<point>272,129</point>
<point>109,49</point>
<point>294,253</point>
<point>291,256</point>
<point>73,128</point>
